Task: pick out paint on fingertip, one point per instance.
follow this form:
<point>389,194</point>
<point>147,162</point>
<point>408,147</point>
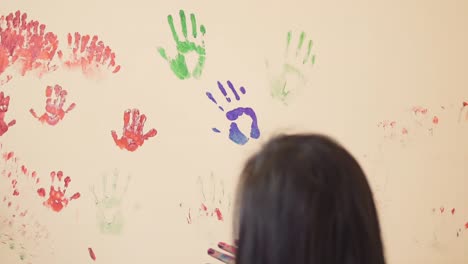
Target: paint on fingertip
<point>211,251</point>
<point>91,254</point>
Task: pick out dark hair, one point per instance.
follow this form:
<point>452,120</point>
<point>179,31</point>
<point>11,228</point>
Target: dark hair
<point>305,199</point>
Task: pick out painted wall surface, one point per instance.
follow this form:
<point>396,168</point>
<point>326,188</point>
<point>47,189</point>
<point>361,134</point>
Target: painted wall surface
<point>124,124</point>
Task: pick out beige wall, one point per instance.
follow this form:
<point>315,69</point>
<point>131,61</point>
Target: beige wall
<point>375,61</point>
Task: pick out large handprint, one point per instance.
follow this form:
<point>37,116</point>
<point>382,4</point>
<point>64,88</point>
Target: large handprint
<point>4,103</point>
<point>27,43</point>
<point>55,101</point>
<point>57,199</point>
<point>89,56</point>
<point>109,205</point>
<point>235,134</point>
<point>291,75</point>
<point>132,135</point>
<point>185,46</point>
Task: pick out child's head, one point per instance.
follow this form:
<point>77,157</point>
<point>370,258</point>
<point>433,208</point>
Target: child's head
<point>305,199</point>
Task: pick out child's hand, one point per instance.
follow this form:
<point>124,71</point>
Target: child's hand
<point>228,259</point>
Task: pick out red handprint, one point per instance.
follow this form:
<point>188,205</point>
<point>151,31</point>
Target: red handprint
<point>90,57</point>
<point>54,106</point>
<point>132,136</point>
<point>27,43</point>
<point>57,199</point>
<point>4,103</point>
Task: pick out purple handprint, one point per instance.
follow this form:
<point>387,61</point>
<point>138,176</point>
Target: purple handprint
<point>235,134</point>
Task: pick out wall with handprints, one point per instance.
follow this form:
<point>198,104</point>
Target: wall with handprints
<point>124,125</point>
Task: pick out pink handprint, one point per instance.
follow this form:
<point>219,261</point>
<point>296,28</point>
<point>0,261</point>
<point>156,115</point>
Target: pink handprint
<point>91,57</point>
<point>57,199</point>
<point>132,135</point>
<point>26,43</point>
<point>55,101</point>
<point>4,103</point>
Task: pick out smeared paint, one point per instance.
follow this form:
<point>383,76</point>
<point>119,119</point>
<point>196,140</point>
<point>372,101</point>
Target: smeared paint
<point>219,215</point>
<point>184,47</point>
<point>91,254</point>
<point>466,225</point>
<point>4,104</point>
<point>435,120</point>
<point>294,65</point>
<point>132,136</point>
<point>54,112</point>
<point>109,216</point>
<point>464,104</point>
<point>189,217</point>
<point>90,57</point>
<point>235,134</point>
<point>26,43</point>
<point>453,211</point>
<point>57,199</point>
<point>442,209</point>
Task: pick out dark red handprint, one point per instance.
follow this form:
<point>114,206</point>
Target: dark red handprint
<point>132,135</point>
<point>4,103</point>
<point>91,57</point>
<point>55,101</point>
<point>26,43</point>
<point>57,199</point>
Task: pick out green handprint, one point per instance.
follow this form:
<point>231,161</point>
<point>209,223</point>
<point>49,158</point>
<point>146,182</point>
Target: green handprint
<point>179,64</point>
<point>293,66</point>
<point>109,206</point>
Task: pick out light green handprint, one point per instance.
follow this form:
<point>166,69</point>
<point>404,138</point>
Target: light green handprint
<point>178,64</point>
<point>14,246</point>
<point>295,61</point>
<point>110,218</point>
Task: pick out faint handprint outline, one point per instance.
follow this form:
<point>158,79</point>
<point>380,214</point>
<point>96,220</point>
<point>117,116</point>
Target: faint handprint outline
<point>235,134</point>
<point>110,218</point>
<point>55,101</point>
<point>213,200</point>
<point>178,64</point>
<point>89,54</point>
<point>293,65</point>
<point>4,104</point>
<point>132,136</point>
<point>57,199</point>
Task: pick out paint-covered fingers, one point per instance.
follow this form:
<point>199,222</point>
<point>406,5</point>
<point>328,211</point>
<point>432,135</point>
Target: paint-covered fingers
<point>221,257</point>
<point>228,248</point>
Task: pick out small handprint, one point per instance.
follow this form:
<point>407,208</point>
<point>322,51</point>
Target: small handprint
<point>179,64</point>
<point>109,205</point>
<point>132,135</point>
<point>90,57</point>
<point>4,104</point>
<point>57,199</point>
<point>235,134</point>
<point>55,101</point>
<point>295,61</point>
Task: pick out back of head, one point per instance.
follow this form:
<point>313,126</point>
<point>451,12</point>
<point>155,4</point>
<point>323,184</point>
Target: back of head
<point>305,199</point>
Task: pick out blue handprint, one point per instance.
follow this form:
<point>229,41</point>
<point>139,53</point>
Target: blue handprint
<point>234,132</point>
